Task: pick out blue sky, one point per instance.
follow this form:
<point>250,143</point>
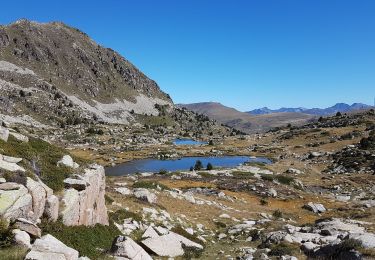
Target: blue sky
<point>245,54</point>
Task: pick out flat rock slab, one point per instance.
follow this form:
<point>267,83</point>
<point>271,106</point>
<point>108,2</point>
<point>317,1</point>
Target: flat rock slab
<point>127,248</point>
<point>48,247</point>
<point>170,245</point>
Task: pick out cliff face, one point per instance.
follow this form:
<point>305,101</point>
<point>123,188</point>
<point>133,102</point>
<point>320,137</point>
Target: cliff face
<point>54,68</point>
<point>84,202</point>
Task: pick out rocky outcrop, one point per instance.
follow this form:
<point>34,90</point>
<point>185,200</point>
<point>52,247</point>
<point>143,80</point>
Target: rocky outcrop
<point>48,247</point>
<point>86,206</point>
<point>145,195</point>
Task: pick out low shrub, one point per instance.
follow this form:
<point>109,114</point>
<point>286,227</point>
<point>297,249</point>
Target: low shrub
<point>287,180</point>
<point>91,241</point>
<point>283,249</point>
<point>149,185</point>
<point>277,214</point>
<point>121,214</point>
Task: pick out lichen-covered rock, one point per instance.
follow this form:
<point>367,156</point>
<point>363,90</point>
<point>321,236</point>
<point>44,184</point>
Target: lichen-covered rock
<point>48,247</point>
<point>15,202</point>
<point>87,206</point>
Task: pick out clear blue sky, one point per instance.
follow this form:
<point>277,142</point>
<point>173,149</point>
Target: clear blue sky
<point>243,53</point>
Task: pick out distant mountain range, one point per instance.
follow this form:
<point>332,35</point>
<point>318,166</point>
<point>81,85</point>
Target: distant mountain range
<point>244,121</point>
<point>339,107</point>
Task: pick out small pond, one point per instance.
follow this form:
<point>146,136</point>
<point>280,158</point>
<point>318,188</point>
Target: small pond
<point>187,142</point>
<point>155,165</point>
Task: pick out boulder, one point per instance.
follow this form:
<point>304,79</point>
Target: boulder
<point>124,191</point>
<point>39,195</point>
<point>70,213</point>
<point>367,239</point>
<point>51,209</point>
<point>48,247</point>
<point>67,161</point>
<point>15,203</point>
<point>11,167</point>
<point>21,238</point>
<point>29,227</point>
<point>315,207</point>
<point>127,248</point>
<point>145,195</point>
<point>170,245</point>
<point>75,184</point>
<point>4,134</point>
<point>10,159</point>
<point>150,232</point>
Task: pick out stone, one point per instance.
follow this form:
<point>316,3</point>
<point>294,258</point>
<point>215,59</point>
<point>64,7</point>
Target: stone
<point>48,247</point>
<point>21,238</point>
<point>29,227</point>
<point>309,246</point>
<point>67,161</point>
<point>11,167</point>
<point>315,207</point>
<point>124,191</point>
<point>170,245</point>
<point>39,195</point>
<point>71,211</point>
<point>145,195</point>
<point>367,239</point>
<point>22,208</point>
<point>11,159</point>
<point>294,171</point>
<point>2,180</point>
<point>75,184</point>
<point>224,216</point>
<point>150,232</point>
<point>127,248</point>
<point>51,210</point>
<point>7,186</point>
<point>4,134</point>
<point>272,192</point>
<point>19,137</point>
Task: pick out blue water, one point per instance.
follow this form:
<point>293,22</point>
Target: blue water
<point>187,142</point>
<point>155,165</point>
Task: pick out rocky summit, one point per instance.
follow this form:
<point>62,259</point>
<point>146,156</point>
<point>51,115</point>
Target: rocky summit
<point>96,162</point>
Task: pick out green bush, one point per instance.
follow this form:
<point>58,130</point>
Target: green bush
<point>209,167</point>
<point>198,165</point>
<point>121,214</point>
<point>267,177</point>
<point>6,235</point>
<point>277,214</point>
<point>44,155</point>
<point>89,241</point>
<point>283,249</point>
<point>287,180</point>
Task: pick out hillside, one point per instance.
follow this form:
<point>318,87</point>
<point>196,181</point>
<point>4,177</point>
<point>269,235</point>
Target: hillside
<point>244,121</point>
<point>55,75</point>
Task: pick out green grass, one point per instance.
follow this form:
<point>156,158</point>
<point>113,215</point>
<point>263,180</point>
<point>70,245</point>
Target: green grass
<point>91,241</point>
<point>45,157</point>
<point>283,248</point>
<point>267,177</point>
<point>243,174</point>
<point>13,253</point>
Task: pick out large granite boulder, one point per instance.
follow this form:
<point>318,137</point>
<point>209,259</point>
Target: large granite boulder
<point>127,248</point>
<point>21,238</point>
<point>169,245</point>
<point>86,206</point>
<point>8,163</point>
<point>51,209</point>
<point>48,247</point>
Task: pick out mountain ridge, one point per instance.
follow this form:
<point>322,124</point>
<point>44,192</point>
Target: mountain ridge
<point>338,107</point>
